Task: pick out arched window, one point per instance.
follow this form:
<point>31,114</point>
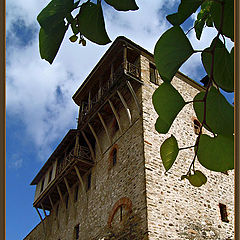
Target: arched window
<point>120,211</point>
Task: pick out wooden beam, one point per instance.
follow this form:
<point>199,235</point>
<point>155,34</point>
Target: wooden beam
<point>67,185</point>
<point>45,214</point>
<point>89,145</point>
<point>115,114</point>
<point>134,96</point>
<point>89,101</point>
<point>95,136</point>
<point>51,202</point>
<point>76,144</point>
<point>126,107</point>
<point>79,177</point>
<point>105,127</point>
<point>91,164</point>
<point>39,214</point>
<point>60,194</point>
<point>125,57</point>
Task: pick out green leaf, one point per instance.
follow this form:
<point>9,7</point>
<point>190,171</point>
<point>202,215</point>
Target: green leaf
<point>228,17</point>
<point>169,151</point>
<point>49,42</point>
<point>219,113</point>
<point>171,51</point>
<point>223,67</point>
<point>204,16</point>
<point>123,5</point>
<point>167,102</point>
<point>185,10</point>
<point>216,154</point>
<point>54,13</point>
<point>91,23</point>
<point>197,179</point>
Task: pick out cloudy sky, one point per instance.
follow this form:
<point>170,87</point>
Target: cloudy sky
<point>40,109</point>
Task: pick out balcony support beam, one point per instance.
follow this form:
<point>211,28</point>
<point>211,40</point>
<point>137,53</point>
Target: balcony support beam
<point>105,127</point>
<point>89,145</point>
<point>41,221</point>
<point>60,194</point>
<point>44,211</point>
<point>50,200</point>
<point>91,164</point>
<point>95,136</point>
<point>134,96</point>
<point>115,114</point>
<point>80,178</point>
<point>126,107</point>
<point>67,185</point>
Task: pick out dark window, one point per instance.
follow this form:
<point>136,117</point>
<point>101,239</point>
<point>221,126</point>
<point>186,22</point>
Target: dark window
<point>153,74</point>
<point>121,213</point>
<point>89,181</point>
<point>42,185</point>
<point>76,232</point>
<point>197,126</point>
<point>57,210</point>
<point>50,176</point>
<point>223,212</point>
<point>66,201</point>
<point>76,193</point>
<point>114,157</point>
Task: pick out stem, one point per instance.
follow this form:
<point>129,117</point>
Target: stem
<point>187,147</point>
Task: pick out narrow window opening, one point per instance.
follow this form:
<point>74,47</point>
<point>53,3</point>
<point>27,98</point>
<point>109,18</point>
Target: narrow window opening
<point>66,201</point>
<point>76,232</point>
<point>50,176</point>
<point>42,185</point>
<point>223,212</point>
<point>153,73</point>
<point>114,157</point>
<point>76,194</point>
<point>89,181</point>
<point>121,213</point>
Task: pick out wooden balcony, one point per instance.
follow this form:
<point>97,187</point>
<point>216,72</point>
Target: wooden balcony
<point>66,176</point>
<point>123,72</point>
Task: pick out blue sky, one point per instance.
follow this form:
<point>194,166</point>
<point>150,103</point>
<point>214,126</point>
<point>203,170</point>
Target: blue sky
<point>40,109</point>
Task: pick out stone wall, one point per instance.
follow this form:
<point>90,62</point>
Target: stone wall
<point>115,205</point>
<point>176,209</point>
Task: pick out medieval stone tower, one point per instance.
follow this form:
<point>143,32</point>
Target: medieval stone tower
<point>105,180</point>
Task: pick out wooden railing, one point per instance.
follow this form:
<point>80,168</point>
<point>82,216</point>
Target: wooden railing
<point>131,69</point>
<point>81,152</point>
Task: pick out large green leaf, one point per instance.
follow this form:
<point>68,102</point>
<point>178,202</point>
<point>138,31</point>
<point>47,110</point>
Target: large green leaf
<point>185,10</point>
<point>171,51</point>
<point>216,154</point>
<point>223,67</point>
<point>219,113</point>
<point>91,23</point>
<point>167,102</point>
<point>49,42</point>
<point>54,13</point>
<point>197,179</point>
<point>228,17</point>
<point>169,151</point>
<point>123,5</point>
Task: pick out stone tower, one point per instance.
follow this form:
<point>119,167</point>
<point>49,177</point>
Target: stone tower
<point>105,180</point>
